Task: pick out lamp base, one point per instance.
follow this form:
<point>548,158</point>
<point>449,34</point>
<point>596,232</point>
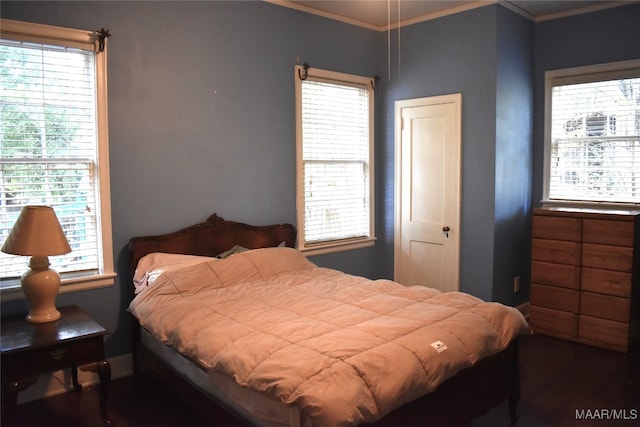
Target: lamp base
<point>40,285</point>
<point>50,316</point>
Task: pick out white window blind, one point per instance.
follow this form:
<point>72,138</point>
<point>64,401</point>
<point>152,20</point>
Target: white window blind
<point>594,151</point>
<point>335,155</point>
<point>49,148</point>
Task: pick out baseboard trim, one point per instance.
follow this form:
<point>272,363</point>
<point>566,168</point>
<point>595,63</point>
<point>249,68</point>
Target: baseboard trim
<point>58,382</point>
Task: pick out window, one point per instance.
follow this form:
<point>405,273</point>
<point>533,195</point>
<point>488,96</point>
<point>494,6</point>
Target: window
<point>592,142</point>
<point>54,148</point>
<point>334,121</point>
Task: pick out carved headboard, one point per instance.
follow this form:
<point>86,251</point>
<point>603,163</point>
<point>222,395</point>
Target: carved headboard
<point>212,237</point>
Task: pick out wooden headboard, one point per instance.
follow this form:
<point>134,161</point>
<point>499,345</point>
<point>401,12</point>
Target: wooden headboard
<point>211,238</point>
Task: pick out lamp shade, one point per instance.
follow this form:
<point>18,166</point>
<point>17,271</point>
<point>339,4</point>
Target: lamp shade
<point>37,232</point>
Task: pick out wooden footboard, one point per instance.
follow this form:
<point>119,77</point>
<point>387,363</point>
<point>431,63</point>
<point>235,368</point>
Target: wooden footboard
<point>467,395</point>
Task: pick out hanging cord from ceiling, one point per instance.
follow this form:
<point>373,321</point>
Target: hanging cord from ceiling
<point>389,39</point>
<point>399,38</point>
<point>389,36</point>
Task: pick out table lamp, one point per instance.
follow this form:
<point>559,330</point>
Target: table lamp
<point>37,233</point>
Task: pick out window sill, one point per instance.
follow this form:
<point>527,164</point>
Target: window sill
<point>11,290</point>
<point>329,248</point>
<point>589,205</point>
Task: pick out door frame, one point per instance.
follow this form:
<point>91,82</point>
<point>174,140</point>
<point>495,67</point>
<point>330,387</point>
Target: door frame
<point>456,99</point>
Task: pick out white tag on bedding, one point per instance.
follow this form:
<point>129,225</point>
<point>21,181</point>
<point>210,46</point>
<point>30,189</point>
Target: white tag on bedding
<point>439,346</point>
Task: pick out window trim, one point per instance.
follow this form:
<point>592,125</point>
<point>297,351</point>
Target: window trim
<point>27,31</point>
<point>575,75</point>
<point>332,246</point>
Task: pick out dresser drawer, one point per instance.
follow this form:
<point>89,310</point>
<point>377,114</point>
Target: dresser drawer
<point>605,306</point>
<point>606,282</point>
<point>606,333</point>
<point>607,257</point>
<point>555,322</point>
<point>556,251</point>
<point>617,233</point>
<point>566,276</point>
<point>556,228</point>
<point>554,297</point>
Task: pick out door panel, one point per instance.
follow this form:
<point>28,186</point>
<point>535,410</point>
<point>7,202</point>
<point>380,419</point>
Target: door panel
<point>423,255</point>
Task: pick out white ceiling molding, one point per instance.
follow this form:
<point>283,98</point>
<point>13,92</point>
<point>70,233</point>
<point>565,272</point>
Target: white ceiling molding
<point>381,15</point>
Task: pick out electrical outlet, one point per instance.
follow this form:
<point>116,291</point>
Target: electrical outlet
<point>516,284</point>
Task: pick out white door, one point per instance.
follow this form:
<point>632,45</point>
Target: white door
<point>427,223</point>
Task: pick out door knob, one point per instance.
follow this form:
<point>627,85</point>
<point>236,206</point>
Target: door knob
<point>445,230</point>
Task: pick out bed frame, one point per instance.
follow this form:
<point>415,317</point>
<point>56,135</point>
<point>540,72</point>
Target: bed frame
<point>469,394</point>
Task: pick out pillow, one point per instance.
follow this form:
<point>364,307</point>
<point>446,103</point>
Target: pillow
<point>238,249</point>
<point>154,264</point>
<point>234,250</point>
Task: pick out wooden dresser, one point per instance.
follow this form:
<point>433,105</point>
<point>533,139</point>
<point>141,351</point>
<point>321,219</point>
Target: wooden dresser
<point>585,278</point>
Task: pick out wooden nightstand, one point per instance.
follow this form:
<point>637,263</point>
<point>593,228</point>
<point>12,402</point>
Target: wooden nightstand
<point>28,349</point>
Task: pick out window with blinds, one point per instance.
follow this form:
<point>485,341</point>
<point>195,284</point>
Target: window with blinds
<point>50,145</point>
<point>335,167</point>
<point>593,134</point>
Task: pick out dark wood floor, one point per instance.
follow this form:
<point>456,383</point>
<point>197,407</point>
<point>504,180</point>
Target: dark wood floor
<point>558,378</point>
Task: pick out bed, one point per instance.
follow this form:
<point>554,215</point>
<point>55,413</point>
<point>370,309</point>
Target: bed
<point>250,333</point>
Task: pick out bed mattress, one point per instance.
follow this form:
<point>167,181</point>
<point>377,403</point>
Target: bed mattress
<point>249,405</point>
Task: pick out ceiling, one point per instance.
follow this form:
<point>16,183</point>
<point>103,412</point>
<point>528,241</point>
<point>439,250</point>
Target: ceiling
<point>383,14</point>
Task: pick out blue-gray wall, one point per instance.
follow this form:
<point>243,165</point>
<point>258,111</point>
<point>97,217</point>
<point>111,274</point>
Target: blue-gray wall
<point>454,54</point>
<point>513,163</point>
<point>201,119</point>
<point>201,115</point>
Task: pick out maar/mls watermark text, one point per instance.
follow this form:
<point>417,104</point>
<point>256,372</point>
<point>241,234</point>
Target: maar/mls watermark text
<point>607,414</point>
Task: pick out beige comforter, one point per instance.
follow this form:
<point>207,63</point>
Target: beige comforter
<point>345,349</point>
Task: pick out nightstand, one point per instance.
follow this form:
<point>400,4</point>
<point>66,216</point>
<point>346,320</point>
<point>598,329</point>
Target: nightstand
<point>28,349</point>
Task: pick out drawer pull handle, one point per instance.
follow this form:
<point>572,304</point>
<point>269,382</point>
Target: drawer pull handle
<point>58,354</point>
